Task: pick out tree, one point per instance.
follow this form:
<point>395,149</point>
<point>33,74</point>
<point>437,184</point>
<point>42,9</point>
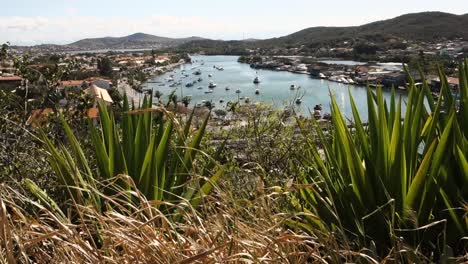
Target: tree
<point>186,100</point>
<point>105,67</point>
<point>4,52</point>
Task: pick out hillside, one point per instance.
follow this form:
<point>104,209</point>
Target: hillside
<point>137,40</point>
<point>426,26</point>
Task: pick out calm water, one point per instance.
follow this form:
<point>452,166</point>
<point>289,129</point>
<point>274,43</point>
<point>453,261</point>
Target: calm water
<point>274,87</point>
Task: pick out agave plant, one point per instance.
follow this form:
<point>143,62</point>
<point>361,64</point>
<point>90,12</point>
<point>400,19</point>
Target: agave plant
<point>150,145</point>
<point>393,177</point>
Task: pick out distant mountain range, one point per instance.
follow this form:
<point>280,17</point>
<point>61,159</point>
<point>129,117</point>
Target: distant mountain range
<point>426,26</point>
<point>137,40</point>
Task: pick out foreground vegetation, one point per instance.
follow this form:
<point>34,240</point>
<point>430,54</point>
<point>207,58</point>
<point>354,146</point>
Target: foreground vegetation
<point>144,185</point>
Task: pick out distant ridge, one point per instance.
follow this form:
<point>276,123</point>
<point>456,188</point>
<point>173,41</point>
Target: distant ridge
<point>425,26</point>
<point>137,40</point>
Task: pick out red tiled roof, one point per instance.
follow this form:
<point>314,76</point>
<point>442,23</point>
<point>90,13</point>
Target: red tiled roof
<point>10,78</point>
<point>93,113</point>
<point>72,83</point>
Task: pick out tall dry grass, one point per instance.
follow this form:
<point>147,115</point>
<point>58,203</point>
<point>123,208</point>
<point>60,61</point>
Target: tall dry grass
<point>222,230</point>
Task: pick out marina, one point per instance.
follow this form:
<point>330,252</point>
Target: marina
<point>237,80</point>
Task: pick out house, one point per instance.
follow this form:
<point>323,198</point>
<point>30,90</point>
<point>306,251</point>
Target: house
<point>9,81</point>
<point>453,83</point>
<point>72,84</point>
<point>100,82</point>
<point>394,79</point>
<point>99,94</point>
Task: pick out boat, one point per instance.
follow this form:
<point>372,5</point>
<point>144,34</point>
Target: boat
<point>294,87</point>
<point>227,88</point>
<point>221,101</point>
<point>209,91</point>
<point>210,75</point>
<point>200,79</point>
<point>322,76</point>
<point>344,80</point>
<point>212,85</point>
<point>199,88</point>
<point>247,100</point>
<point>257,91</point>
<point>189,84</point>
<point>256,80</point>
<point>220,68</point>
<point>197,72</point>
<point>238,91</point>
<point>350,81</point>
<point>298,101</point>
<point>317,114</point>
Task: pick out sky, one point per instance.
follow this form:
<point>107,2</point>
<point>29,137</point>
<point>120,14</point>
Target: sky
<point>30,22</point>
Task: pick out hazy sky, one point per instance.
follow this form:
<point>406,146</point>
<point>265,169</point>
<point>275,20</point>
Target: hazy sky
<point>63,21</point>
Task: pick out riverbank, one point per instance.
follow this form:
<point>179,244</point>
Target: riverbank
<point>346,72</point>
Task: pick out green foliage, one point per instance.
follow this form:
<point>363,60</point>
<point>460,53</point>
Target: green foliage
<point>393,177</point>
<point>105,67</point>
<point>149,145</point>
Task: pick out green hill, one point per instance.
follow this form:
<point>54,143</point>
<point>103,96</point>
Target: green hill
<point>426,26</point>
<point>137,40</point>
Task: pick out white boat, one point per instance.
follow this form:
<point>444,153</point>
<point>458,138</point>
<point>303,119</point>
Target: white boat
<point>318,114</point>
<point>238,91</point>
<point>199,88</point>
<point>322,76</point>
<point>212,85</point>
<point>209,91</point>
<point>344,80</point>
<point>256,80</point>
<point>227,88</point>
<point>210,75</point>
<point>298,101</point>
<point>350,81</point>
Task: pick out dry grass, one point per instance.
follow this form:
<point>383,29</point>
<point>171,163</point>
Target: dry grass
<point>224,231</point>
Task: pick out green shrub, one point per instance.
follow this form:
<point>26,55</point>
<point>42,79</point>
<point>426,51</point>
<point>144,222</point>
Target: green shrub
<point>392,180</point>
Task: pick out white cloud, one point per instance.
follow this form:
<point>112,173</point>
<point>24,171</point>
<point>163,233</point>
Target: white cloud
<point>37,30</point>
